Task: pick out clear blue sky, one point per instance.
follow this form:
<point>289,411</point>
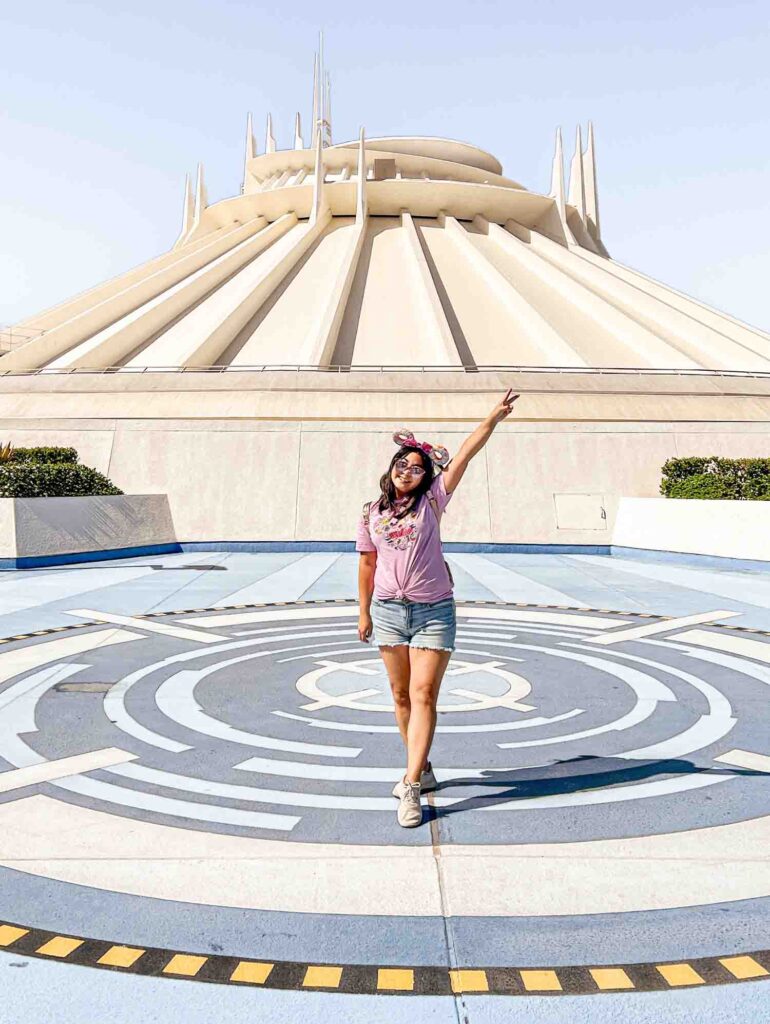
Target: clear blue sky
<point>105,109</point>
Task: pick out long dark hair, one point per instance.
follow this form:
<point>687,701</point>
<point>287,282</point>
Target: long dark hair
<point>388,490</point>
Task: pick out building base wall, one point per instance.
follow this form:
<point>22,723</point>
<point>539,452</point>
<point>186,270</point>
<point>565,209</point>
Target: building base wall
<point>237,480</point>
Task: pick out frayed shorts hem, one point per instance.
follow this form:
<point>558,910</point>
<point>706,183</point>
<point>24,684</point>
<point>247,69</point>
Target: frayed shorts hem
<point>416,647</point>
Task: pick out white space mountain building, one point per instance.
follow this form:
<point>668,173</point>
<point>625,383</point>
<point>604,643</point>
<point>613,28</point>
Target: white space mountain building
<point>357,287</point>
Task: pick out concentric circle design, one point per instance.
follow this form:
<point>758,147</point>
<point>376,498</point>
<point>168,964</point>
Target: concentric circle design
<point>259,721</point>
<point>579,754</point>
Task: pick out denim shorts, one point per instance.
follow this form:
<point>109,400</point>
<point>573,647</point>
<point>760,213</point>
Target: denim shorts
<point>418,624</point>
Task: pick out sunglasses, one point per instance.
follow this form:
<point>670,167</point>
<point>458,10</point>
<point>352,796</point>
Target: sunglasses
<point>404,467</point>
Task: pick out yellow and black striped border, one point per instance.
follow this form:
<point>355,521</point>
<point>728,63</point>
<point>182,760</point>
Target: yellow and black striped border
<point>365,979</point>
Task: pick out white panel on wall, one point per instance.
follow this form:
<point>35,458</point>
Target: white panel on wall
<point>580,512</point>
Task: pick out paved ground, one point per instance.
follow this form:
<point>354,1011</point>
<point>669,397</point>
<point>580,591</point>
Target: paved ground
<point>196,755</point>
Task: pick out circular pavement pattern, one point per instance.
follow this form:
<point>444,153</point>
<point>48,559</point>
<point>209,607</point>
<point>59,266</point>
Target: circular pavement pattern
<point>567,740</point>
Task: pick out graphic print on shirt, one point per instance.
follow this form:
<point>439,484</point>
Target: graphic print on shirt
<point>398,533</point>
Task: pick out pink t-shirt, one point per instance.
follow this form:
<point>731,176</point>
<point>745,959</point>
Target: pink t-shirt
<point>410,563</point>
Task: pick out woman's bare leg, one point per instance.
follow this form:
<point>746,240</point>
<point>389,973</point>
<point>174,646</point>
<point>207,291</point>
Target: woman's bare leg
<point>427,671</point>
<point>398,668</point>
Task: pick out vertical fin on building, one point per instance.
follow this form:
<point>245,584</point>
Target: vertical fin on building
<point>188,212</point>
<point>361,184</point>
<point>316,115</point>
<point>328,110</point>
<point>201,198</point>
<point>577,193</point>
<point>298,141</point>
<point>321,87</point>
<point>269,137</point>
<point>250,151</point>
<point>591,194</point>
<point>557,175</point>
<point>553,223</point>
<point>319,190</point>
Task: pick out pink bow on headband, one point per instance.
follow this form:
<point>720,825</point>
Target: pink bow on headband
<point>438,454</point>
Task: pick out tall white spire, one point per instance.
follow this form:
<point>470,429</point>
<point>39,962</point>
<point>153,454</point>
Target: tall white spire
<point>269,137</point>
<point>251,150</point>
<point>320,74</point>
<point>298,143</point>
<point>319,198</point>
<point>328,110</point>
<point>592,196</point>
<point>322,101</point>
<point>577,193</point>
<point>361,209</point>
<point>251,144</point>
<point>557,174</point>
<point>316,101</point>
<point>188,209</point>
<point>188,212</point>
<point>201,198</point>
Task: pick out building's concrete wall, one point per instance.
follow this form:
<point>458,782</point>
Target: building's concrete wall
<point>283,480</point>
<point>732,529</point>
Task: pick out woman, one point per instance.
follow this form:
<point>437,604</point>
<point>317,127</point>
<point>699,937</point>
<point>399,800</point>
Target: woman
<point>405,590</point>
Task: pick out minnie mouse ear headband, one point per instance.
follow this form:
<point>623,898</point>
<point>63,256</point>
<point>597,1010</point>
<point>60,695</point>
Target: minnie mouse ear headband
<point>438,454</point>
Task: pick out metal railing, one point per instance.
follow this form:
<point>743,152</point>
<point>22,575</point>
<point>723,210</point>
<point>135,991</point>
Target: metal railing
<point>383,368</point>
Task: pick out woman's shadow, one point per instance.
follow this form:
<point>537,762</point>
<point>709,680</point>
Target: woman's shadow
<point>557,779</point>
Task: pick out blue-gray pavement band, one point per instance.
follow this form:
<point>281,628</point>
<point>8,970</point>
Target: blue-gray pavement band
<point>643,936</point>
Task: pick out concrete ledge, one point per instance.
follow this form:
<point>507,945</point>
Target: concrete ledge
<point>50,530</point>
<point>720,529</point>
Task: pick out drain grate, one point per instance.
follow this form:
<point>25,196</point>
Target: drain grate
<point>83,687</point>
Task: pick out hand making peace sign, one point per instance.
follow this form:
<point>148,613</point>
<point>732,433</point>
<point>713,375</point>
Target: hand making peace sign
<point>503,409</point>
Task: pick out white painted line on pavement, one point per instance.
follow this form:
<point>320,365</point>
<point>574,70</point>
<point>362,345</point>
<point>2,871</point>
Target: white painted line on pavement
<point>487,614</point>
<point>13,662</point>
<point>148,625</point>
<point>745,759</point>
<point>488,727</point>
<point>175,699</point>
<point>274,615</point>
<point>660,627</point>
<point>62,767</point>
<point>732,644</point>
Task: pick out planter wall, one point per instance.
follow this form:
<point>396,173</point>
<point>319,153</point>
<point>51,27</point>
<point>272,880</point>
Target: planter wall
<point>727,529</point>
<point>45,530</point>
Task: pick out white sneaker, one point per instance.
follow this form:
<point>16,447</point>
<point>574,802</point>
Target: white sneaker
<point>427,782</point>
<point>427,779</point>
<point>409,806</point>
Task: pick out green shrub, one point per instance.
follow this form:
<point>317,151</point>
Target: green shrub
<point>702,485</point>
<point>52,480</point>
<point>69,455</point>
<point>716,477</point>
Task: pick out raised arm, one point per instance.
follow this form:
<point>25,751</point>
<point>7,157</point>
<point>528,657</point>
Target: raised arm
<point>473,444</point>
